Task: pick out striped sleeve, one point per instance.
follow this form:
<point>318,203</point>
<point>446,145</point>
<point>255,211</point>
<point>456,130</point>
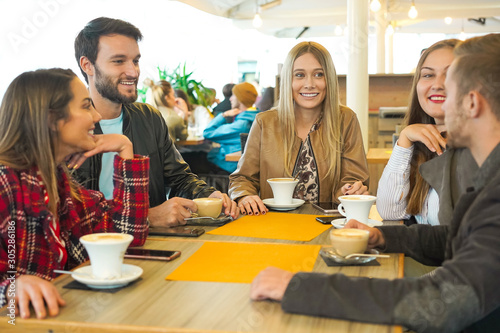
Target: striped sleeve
<point>394,185</point>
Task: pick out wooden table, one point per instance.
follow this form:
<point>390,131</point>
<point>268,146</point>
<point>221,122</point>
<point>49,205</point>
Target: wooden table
<point>190,142</point>
<point>233,157</point>
<point>156,305</point>
<point>378,155</point>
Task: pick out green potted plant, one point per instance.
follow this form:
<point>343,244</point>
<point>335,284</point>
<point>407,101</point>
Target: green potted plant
<point>197,93</point>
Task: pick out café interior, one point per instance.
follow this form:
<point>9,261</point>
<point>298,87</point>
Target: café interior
<point>205,285</point>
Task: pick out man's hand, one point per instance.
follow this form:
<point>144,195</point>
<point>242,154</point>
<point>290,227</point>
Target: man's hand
<point>271,283</point>
<point>376,238</point>
<point>229,206</point>
<point>172,212</point>
<point>38,292</point>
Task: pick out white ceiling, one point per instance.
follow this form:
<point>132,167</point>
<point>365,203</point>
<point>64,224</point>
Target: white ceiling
<point>289,18</point>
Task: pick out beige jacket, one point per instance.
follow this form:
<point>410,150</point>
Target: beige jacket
<point>264,158</point>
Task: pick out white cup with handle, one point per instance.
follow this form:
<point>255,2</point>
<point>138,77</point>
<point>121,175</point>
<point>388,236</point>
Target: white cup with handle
<point>356,207</point>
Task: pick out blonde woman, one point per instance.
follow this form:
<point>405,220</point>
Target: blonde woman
<point>174,110</point>
<point>308,134</point>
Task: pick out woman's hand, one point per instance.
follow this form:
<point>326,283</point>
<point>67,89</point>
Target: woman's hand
<point>182,106</point>
<point>105,143</point>
<point>38,292</point>
<point>232,113</point>
<point>230,207</point>
<point>355,188</point>
<point>252,205</point>
<point>428,134</point>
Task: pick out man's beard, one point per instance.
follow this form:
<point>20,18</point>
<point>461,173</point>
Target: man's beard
<point>109,90</point>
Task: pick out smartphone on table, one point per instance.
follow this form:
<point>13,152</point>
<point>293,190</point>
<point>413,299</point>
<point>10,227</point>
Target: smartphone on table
<point>328,219</point>
<point>139,253</point>
<point>180,231</point>
<point>327,207</point>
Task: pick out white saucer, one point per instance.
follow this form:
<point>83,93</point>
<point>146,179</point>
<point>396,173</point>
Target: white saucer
<point>331,254</point>
<point>339,223</point>
<point>269,202</point>
<point>129,274</point>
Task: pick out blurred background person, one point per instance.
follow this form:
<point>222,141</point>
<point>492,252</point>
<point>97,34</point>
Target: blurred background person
<point>227,134</point>
<point>308,135</point>
<point>225,105</point>
<point>198,118</point>
<point>174,110</point>
<point>266,102</point>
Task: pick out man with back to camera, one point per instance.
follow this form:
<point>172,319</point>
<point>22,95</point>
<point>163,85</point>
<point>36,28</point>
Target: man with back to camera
<point>462,294</point>
<point>227,133</point>
<point>108,54</point>
<point>225,105</point>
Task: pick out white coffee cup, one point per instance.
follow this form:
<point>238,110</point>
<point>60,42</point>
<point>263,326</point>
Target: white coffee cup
<point>349,241</point>
<point>356,206</point>
<point>106,251</point>
<point>208,207</point>
<point>283,189</point>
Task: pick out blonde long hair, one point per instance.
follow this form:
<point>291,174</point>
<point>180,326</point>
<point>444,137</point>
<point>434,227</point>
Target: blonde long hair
<point>31,106</point>
<point>331,136</point>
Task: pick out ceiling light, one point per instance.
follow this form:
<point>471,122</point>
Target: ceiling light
<point>375,5</point>
<point>412,13</point>
<point>257,21</point>
<point>390,30</point>
<point>462,33</point>
<point>448,20</point>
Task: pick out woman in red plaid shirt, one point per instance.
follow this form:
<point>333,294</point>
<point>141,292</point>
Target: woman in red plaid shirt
<point>46,119</point>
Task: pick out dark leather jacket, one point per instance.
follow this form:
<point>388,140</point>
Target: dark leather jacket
<point>145,127</point>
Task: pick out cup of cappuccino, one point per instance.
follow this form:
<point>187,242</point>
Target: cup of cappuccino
<point>208,207</point>
<point>106,251</point>
<point>283,189</point>
<point>349,241</point>
<point>356,206</point>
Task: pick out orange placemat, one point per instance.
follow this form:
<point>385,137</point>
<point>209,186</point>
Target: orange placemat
<point>297,227</point>
<point>241,262</point>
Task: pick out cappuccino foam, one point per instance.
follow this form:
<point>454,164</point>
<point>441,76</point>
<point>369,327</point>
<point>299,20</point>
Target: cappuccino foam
<point>106,238</point>
<point>281,180</point>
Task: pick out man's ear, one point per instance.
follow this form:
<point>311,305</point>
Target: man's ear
<point>86,66</point>
<point>473,103</point>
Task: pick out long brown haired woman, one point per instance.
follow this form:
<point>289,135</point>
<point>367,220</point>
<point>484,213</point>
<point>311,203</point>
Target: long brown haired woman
<point>46,119</point>
<point>402,191</point>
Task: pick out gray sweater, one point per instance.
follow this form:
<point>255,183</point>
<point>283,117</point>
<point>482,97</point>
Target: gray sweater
<point>461,295</point>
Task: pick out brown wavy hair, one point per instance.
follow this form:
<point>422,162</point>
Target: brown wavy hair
<point>416,115</point>
<point>32,104</point>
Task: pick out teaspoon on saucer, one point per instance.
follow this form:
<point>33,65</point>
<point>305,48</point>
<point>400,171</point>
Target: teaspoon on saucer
<point>366,255</point>
<point>60,271</point>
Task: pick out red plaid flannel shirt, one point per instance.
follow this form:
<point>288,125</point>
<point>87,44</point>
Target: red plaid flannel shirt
<point>25,218</point>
